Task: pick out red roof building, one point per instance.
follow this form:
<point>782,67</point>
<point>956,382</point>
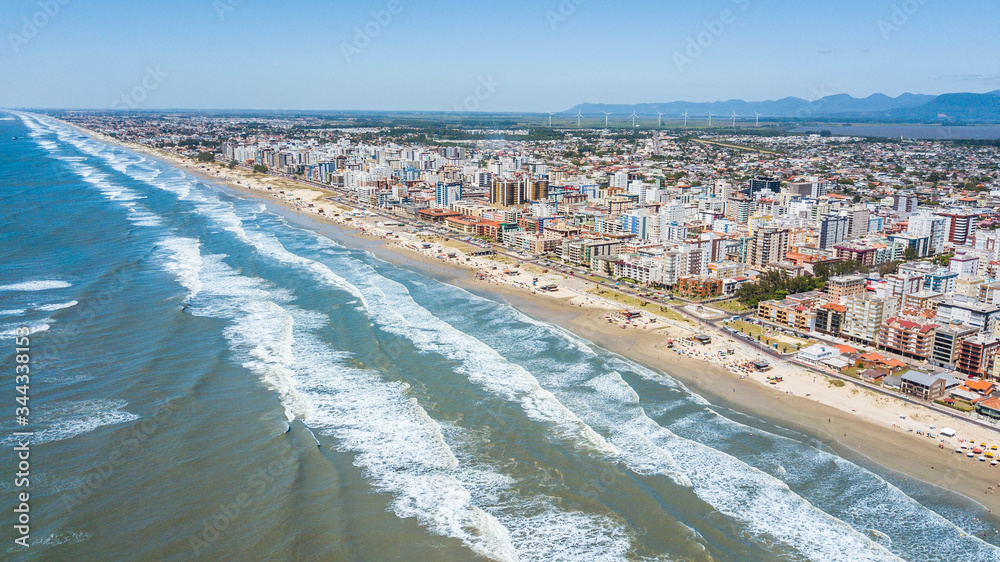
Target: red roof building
<point>907,338</point>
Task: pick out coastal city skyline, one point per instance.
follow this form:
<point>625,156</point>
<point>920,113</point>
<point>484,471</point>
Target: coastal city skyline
<point>556,281</point>
<point>227,54</point>
<point>848,286</point>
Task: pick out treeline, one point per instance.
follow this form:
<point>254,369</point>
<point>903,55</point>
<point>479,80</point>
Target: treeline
<point>776,285</point>
<point>976,142</point>
<point>832,269</point>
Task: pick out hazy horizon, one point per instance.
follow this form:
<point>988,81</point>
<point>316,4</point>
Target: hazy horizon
<point>391,55</point>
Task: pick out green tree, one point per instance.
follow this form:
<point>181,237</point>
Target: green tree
<point>943,259</point>
<point>888,268</point>
<point>260,168</point>
<point>827,270</point>
<point>910,254</point>
<point>206,157</point>
<point>776,285</point>
<point>232,164</point>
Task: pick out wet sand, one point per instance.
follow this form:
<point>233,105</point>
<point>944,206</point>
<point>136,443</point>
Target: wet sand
<point>848,435</point>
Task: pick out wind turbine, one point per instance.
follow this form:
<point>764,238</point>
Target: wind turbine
<point>606,115</point>
<point>709,118</point>
<point>633,116</point>
<point>685,118</point>
<point>579,116</point>
<point>757,123</point>
<point>734,118</point>
<point>550,119</point>
<point>660,115</point>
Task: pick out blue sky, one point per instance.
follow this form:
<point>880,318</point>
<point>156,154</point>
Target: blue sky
<point>516,55</point>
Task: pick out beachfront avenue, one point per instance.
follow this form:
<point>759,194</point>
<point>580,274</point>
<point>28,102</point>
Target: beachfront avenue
<point>560,280</point>
<point>388,437</point>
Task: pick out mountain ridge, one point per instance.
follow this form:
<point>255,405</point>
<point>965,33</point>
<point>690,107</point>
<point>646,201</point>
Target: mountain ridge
<point>908,106</point>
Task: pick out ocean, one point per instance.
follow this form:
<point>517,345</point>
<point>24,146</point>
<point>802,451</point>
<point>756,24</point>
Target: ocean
<point>213,378</point>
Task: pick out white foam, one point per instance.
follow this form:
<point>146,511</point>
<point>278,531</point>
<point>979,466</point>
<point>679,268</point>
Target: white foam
<point>396,442</point>
<point>55,307</point>
<point>185,262</point>
<point>761,503</point>
<point>68,419</point>
<point>392,307</point>
<point>406,455</point>
<point>67,537</point>
<point>550,534</point>
<point>123,196</point>
<point>856,495</point>
<point>13,312</point>
<point>38,285</point>
<point>399,446</point>
<point>140,218</point>
<point>766,506</point>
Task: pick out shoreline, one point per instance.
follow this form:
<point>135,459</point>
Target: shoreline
<point>826,416</point>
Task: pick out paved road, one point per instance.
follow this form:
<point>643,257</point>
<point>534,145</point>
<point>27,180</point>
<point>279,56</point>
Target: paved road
<point>709,325</point>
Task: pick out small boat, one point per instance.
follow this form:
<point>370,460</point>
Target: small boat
<point>959,451</point>
<point>971,455</point>
<point>982,459</point>
<point>977,451</point>
<point>994,462</point>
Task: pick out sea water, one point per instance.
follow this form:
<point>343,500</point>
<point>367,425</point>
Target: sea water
<point>211,379</point>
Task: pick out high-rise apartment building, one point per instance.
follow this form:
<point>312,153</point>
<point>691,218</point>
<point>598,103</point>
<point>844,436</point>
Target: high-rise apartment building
<point>864,316</point>
<point>536,189</point>
<point>507,192</point>
<point>932,227</point>
<point>447,193</point>
<point>770,245</point>
<point>832,230</point>
<point>904,204</point>
<point>761,183</point>
<point>857,223</point>
<point>961,226</point>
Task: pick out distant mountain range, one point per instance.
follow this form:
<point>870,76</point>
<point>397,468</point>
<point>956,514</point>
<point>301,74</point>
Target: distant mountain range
<point>973,108</point>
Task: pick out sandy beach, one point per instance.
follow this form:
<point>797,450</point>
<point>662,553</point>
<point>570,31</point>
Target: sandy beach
<point>854,421</point>
<point>846,432</point>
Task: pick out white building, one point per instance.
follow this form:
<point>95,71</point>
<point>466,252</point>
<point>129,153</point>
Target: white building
<point>935,228</point>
